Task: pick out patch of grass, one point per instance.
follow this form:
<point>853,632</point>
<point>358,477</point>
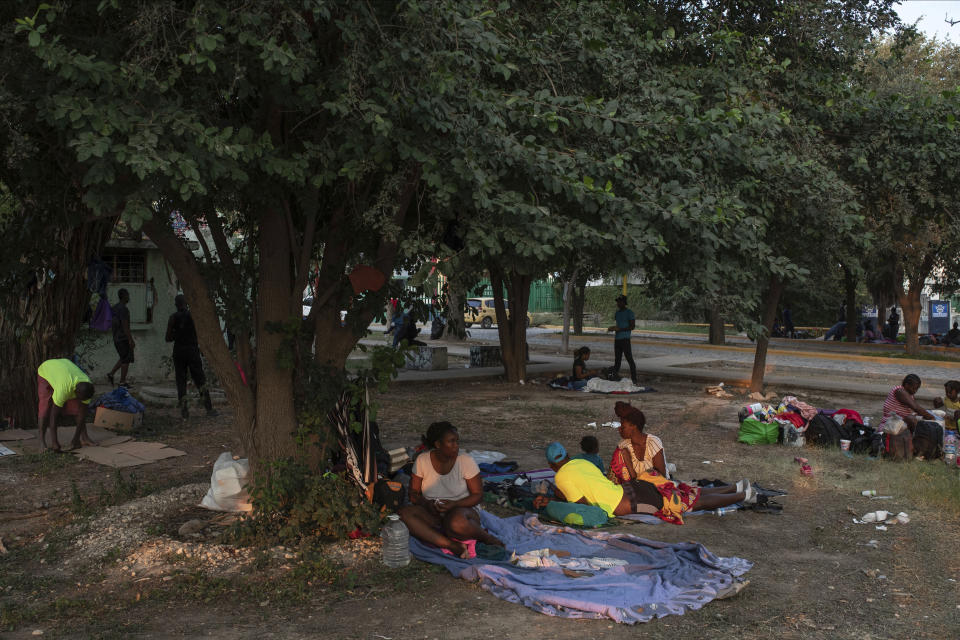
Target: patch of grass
<point>44,463</point>
<point>931,357</point>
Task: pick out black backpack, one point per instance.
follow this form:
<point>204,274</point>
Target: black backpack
<point>928,440</point>
<point>823,431</point>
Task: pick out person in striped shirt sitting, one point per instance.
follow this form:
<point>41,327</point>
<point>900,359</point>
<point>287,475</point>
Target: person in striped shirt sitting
<point>901,401</point>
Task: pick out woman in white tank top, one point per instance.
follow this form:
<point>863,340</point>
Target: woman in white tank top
<point>444,491</point>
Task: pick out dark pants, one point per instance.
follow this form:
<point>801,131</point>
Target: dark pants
<point>189,358</point>
<point>621,348</point>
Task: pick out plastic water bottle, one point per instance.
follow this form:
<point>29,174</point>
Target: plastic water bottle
<point>950,448</point>
<point>722,511</point>
<point>396,543</point>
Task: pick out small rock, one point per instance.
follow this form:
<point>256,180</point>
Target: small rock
<point>38,632</point>
<point>191,526</point>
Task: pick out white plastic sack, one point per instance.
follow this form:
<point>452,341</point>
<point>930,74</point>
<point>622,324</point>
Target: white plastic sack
<point>609,386</point>
<point>892,424</point>
<point>488,457</point>
<point>228,490</point>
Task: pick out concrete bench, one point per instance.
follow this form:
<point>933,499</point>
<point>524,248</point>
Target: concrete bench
<point>485,356</point>
<point>427,358</point>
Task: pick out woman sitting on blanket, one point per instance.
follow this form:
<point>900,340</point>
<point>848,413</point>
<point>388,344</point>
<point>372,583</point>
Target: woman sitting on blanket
<point>580,372</point>
<point>580,481</point>
<point>444,491</point>
<point>637,452</point>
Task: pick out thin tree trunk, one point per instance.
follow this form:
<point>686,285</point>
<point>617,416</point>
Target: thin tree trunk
<point>716,326</point>
<point>579,299</point>
<point>763,340</point>
<point>567,291</point>
<point>455,326</point>
<point>853,314</point>
<point>42,320</point>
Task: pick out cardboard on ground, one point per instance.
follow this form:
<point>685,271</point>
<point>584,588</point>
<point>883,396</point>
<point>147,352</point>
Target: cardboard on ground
<point>112,450</point>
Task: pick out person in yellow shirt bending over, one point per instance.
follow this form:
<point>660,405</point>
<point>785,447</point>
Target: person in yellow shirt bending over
<point>63,388</point>
<point>581,481</point>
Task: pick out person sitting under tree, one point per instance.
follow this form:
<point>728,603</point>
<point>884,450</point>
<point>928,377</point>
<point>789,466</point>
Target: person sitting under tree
<point>62,389</point>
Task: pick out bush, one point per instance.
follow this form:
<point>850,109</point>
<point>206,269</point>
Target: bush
<point>601,300</point>
<point>293,505</point>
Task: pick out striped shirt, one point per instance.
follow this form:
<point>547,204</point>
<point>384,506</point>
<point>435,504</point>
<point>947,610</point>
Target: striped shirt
<point>893,405</point>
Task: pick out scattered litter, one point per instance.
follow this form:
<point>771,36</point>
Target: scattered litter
<point>592,425</point>
<point>869,492</point>
<point>6,452</point>
<point>873,544</point>
<point>871,573</point>
<point>804,466</point>
<point>706,462</point>
<point>614,424</point>
<point>718,391</point>
<point>718,461</point>
<point>883,516</point>
<point>881,527</point>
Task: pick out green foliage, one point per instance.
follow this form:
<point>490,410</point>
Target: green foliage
<point>601,300</point>
<point>293,506</point>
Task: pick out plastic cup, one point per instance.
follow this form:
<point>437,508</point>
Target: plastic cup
<point>845,445</point>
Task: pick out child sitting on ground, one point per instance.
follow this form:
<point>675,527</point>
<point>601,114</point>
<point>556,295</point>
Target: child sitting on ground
<point>951,404</point>
<point>591,452</point>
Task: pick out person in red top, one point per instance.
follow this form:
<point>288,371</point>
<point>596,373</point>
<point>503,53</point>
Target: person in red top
<point>901,401</point>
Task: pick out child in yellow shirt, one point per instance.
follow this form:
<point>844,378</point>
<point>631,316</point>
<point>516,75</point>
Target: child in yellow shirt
<point>951,403</point>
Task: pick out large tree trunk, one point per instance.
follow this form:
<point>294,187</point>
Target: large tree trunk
<point>716,326</point>
<point>853,313</point>
<point>42,322</point>
<point>579,299</point>
<point>910,303</point>
<point>272,433</point>
<point>512,331</point>
<point>763,340</point>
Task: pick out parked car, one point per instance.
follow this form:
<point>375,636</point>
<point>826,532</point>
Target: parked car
<point>482,311</point>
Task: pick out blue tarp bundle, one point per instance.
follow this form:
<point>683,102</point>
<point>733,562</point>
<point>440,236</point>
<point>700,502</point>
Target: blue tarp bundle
<point>119,400</point>
<point>660,578</point>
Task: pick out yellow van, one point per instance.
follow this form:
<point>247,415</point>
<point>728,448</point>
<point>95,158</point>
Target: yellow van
<point>482,311</point>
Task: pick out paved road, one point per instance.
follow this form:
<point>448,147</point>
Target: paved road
<point>827,366</point>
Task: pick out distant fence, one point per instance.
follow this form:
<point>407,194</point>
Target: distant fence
<point>544,297</point>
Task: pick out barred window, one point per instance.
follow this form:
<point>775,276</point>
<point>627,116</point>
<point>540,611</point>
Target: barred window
<point>128,266</point>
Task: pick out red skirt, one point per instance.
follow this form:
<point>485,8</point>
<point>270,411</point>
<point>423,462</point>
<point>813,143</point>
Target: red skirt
<point>45,401</point>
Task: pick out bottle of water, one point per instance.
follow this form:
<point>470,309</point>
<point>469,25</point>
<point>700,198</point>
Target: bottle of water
<point>950,448</point>
<point>722,511</point>
<point>396,543</point>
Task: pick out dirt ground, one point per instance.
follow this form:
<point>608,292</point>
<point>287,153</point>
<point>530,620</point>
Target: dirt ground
<point>94,555</point>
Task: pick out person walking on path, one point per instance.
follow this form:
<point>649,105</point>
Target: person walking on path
<point>122,338</point>
<point>62,389</point>
<point>625,323</point>
<point>186,356</point>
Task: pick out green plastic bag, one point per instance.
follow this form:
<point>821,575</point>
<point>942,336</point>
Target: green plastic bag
<point>755,432</point>
<point>584,515</point>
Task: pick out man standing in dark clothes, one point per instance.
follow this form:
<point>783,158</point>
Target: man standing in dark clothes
<point>122,338</point>
<point>625,323</point>
<point>186,355</point>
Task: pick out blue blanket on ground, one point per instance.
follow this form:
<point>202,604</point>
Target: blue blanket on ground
<point>660,578</point>
<point>119,400</point>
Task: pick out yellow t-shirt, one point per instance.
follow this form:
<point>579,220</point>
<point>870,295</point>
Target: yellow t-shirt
<point>582,479</point>
<point>63,376</point>
<point>949,407</point>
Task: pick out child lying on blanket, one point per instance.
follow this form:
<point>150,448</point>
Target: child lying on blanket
<point>580,481</point>
<point>445,489</point>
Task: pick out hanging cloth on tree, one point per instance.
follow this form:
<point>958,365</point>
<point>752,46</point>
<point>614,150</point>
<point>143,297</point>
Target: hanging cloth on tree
<point>357,447</point>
